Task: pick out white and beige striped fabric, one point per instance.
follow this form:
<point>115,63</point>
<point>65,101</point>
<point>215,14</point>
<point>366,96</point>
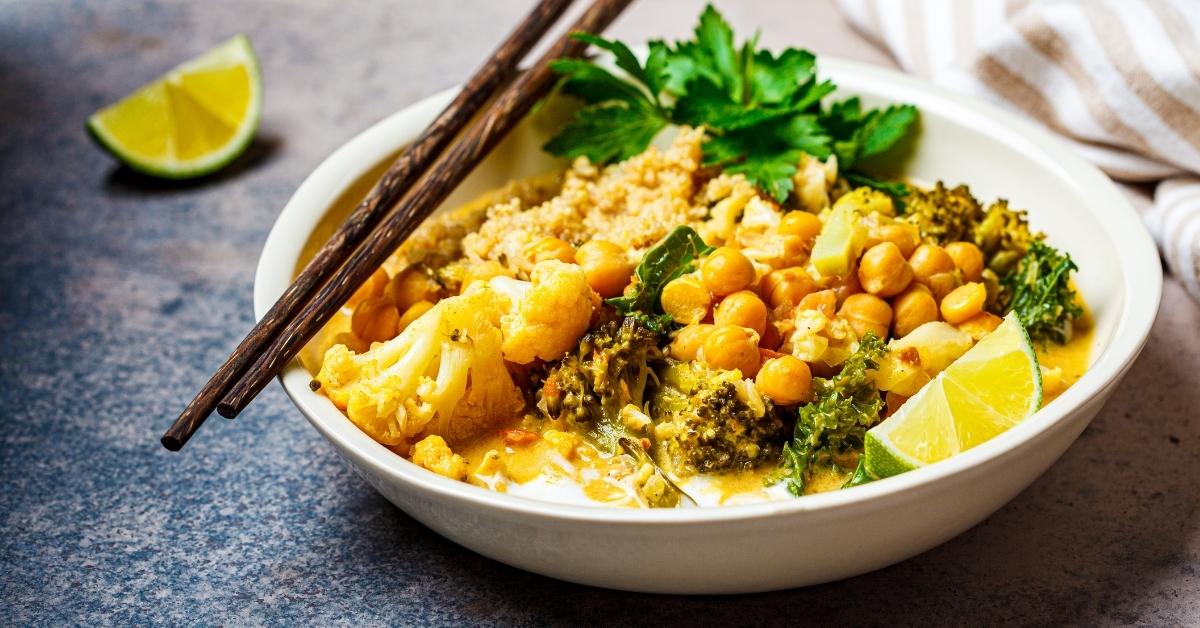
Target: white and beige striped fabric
<point>1120,79</point>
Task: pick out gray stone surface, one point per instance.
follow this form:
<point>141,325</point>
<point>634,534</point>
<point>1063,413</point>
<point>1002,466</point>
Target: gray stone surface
<point>118,296</point>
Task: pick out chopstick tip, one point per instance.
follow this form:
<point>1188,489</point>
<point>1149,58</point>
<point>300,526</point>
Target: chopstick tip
<point>171,442</point>
<point>227,409</point>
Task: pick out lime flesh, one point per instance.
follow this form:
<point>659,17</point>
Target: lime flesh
<point>192,121</point>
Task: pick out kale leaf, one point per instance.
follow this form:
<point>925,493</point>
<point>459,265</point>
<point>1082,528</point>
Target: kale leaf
<point>1039,291</point>
<point>843,408</point>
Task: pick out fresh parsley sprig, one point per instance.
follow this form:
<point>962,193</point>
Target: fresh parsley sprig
<point>761,111</point>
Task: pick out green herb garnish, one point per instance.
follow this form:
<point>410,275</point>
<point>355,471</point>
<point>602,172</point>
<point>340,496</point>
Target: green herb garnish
<point>1039,291</point>
<point>671,258</point>
<point>843,408</point>
<point>760,111</point>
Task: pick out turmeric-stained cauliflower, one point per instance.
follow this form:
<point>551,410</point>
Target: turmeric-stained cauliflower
<point>434,454</point>
<point>444,374</point>
<point>546,315</point>
<point>816,337</point>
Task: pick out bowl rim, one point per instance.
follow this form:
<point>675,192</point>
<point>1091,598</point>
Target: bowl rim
<point>1138,301</point>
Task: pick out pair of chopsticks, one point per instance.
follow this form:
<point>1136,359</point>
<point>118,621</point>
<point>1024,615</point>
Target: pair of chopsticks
<point>375,229</point>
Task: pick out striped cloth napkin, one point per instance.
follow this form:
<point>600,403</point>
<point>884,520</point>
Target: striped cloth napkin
<point>1120,79</point>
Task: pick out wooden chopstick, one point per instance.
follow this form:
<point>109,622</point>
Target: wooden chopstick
<point>500,67</point>
<point>445,174</point>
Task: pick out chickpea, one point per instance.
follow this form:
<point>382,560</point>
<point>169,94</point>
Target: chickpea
<point>413,313</point>
<point>905,237</point>
<point>800,223</point>
<point>980,325</point>
<point>686,300</point>
<point>917,287</point>
<point>786,286</point>
<point>687,341</point>
<point>963,302</point>
<point>942,284</point>
<point>824,302</point>
<point>549,248</point>
<point>968,259</point>
<point>794,251</point>
<point>883,271</point>
<point>911,309</point>
<point>375,320</point>
<point>372,287</point>
<point>409,287</point>
<point>726,270</point>
<point>606,265</point>
<point>785,380</point>
<point>847,286</point>
<point>929,260</point>
<point>867,313</point>
<point>732,347</point>
<point>742,308</point>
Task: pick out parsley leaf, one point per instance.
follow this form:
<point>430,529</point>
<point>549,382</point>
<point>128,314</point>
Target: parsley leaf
<point>760,111</point>
<point>777,79</point>
<point>714,47</point>
<point>884,128</point>
<point>610,132</point>
<point>651,75</point>
<point>768,154</point>
<point>595,85</point>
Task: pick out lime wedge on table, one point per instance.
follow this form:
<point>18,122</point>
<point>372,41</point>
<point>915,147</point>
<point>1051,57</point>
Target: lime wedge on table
<point>193,120</point>
<point>991,388</point>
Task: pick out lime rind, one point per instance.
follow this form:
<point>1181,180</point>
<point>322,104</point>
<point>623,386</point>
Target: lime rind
<point>236,50</point>
<point>883,461</point>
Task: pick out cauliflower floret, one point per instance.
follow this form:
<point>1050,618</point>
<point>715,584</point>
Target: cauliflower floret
<point>434,454</point>
<point>819,338</point>
<point>444,375</point>
<point>546,315</point>
<point>813,180</point>
<point>728,196</point>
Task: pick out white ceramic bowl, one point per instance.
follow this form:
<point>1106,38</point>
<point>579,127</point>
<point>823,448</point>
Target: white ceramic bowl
<point>817,538</point>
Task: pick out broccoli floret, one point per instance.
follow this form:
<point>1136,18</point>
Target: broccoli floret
<point>609,370</point>
<point>1004,236</point>
<point>844,407</point>
<point>710,420</point>
<point>942,214</point>
<point>1040,292</point>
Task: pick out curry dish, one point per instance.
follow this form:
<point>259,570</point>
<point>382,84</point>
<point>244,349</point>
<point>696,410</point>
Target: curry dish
<point>656,327</point>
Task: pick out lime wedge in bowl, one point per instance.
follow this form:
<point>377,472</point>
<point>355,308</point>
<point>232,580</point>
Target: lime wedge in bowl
<point>191,121</point>
<point>992,387</point>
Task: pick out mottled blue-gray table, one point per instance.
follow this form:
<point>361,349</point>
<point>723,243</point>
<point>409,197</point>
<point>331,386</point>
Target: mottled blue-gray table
<point>118,296</point>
